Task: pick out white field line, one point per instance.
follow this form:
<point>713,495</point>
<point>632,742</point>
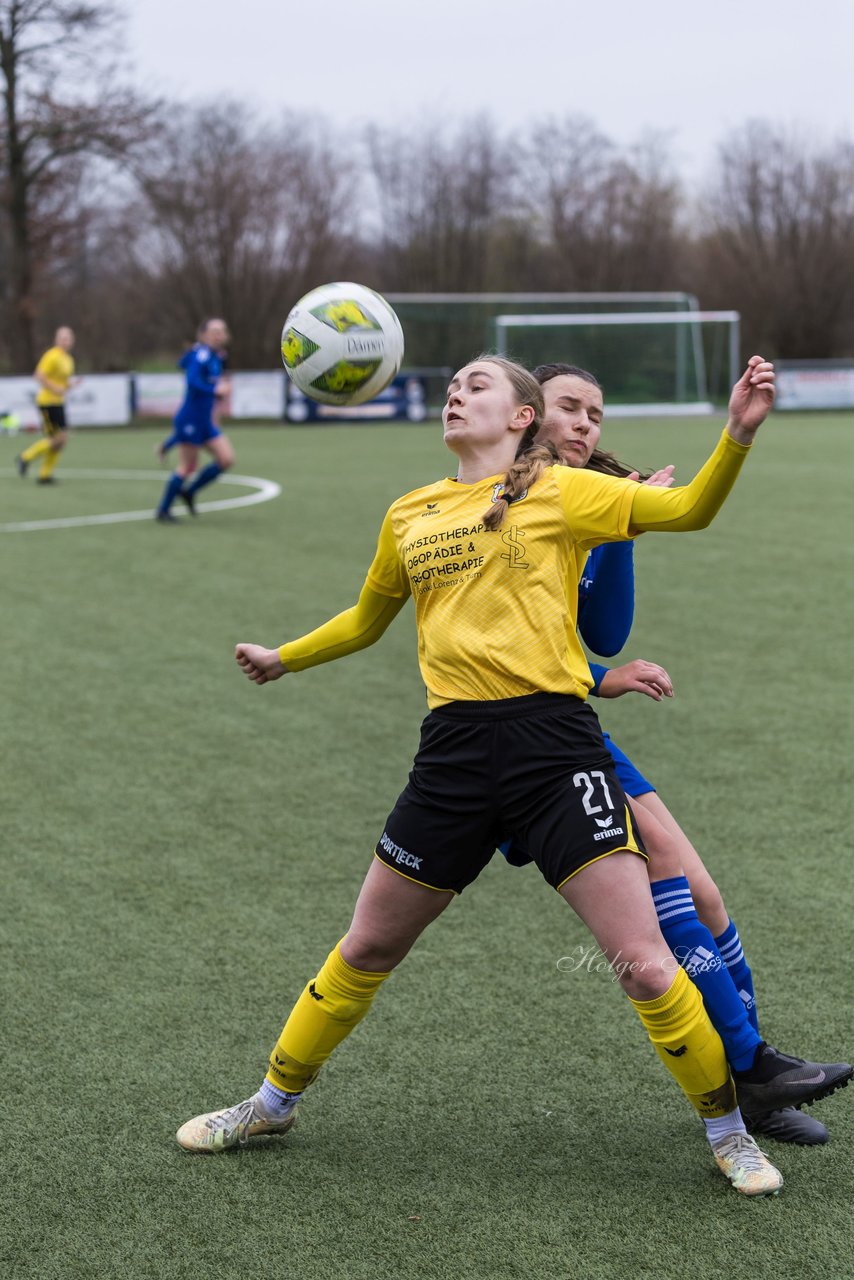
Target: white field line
<point>265,491</point>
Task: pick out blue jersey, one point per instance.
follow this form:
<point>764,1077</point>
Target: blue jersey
<point>202,367</point>
<point>606,601</point>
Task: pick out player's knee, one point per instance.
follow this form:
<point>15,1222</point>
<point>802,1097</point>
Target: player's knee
<point>643,964</point>
<point>645,977</point>
<point>709,903</point>
<point>372,953</point>
<point>665,861</point>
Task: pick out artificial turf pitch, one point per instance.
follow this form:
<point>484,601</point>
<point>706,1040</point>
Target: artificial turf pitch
<point>182,848</point>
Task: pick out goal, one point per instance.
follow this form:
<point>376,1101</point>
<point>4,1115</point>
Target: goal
<point>649,362</point>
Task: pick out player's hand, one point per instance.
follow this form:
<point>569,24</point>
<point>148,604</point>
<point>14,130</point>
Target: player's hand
<point>662,479</point>
<point>260,664</point>
<point>751,400</point>
<point>639,676</point>
<point>223,388</point>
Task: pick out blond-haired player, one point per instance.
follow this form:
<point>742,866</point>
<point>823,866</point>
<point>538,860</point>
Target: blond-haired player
<point>55,375</point>
<point>510,743</point>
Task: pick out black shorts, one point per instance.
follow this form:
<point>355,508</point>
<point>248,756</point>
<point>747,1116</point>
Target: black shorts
<point>534,769</point>
<point>53,418</point>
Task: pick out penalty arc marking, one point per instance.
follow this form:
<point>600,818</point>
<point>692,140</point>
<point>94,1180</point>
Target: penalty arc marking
<point>263,491</point>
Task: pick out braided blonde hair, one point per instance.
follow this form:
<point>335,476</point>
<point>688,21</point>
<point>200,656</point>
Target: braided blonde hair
<point>530,460</point>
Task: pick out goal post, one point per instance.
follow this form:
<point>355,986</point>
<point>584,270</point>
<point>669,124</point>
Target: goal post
<point>650,362</point>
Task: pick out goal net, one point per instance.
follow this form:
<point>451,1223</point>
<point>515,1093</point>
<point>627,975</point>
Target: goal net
<point>649,362</point>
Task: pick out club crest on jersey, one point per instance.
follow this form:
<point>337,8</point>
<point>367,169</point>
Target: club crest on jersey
<point>498,490</point>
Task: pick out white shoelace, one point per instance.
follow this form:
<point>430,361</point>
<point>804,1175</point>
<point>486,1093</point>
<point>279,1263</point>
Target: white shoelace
<point>749,1155</point>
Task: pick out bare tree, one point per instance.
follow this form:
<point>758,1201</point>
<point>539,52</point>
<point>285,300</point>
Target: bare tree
<point>441,200</point>
<point>62,100</point>
<point>601,218</point>
<point>244,220</point>
<point>779,241</point>
<point>100,274</point>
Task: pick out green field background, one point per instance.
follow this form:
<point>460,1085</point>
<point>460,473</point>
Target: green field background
<point>182,848</point>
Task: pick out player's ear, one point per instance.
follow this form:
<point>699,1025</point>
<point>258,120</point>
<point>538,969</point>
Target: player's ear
<point>523,417</point>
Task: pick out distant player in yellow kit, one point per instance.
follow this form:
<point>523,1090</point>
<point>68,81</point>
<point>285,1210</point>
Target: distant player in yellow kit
<point>55,376</point>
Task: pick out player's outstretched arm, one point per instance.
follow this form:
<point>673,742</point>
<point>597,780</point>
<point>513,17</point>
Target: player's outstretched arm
<point>606,608</point>
<point>696,504</point>
<point>350,631</point>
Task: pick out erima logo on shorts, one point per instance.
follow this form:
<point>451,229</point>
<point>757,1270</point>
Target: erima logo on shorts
<point>398,855</point>
<point>606,835</point>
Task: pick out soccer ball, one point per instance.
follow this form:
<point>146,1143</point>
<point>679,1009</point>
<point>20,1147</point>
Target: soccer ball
<point>342,344</point>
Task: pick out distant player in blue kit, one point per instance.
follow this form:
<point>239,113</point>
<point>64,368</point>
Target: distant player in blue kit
<point>194,425</point>
<point>689,906</point>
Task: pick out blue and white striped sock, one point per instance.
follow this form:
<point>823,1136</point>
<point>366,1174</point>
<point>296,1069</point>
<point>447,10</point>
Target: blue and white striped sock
<point>694,947</point>
<point>729,945</point>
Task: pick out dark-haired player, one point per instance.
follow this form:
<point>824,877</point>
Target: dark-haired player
<point>194,424</point>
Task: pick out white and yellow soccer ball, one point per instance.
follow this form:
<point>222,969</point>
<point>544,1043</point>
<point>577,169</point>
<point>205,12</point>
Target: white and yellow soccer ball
<point>342,344</point>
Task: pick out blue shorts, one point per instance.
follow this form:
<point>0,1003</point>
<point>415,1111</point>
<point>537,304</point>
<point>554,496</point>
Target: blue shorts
<point>196,433</point>
<point>631,779</point>
<point>634,783</point>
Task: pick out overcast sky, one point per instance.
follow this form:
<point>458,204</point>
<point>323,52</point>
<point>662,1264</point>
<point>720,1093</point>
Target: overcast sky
<point>694,71</point>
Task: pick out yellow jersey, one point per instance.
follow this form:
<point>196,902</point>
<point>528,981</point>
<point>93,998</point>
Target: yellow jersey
<point>494,617</point>
<point>57,365</point>
<point>496,612</point>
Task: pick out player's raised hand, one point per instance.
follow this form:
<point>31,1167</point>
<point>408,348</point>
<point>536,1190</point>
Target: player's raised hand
<point>751,399</point>
<point>638,676</point>
<point>259,664</point>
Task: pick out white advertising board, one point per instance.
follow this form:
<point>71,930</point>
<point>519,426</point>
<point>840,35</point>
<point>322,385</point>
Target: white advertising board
<point>158,394</point>
<point>815,389</point>
<point>258,395</point>
<point>99,400</point>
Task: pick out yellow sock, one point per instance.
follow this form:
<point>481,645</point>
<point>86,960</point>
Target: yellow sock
<point>689,1046</point>
<point>40,446</point>
<point>325,1014</point>
<point>49,461</point>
